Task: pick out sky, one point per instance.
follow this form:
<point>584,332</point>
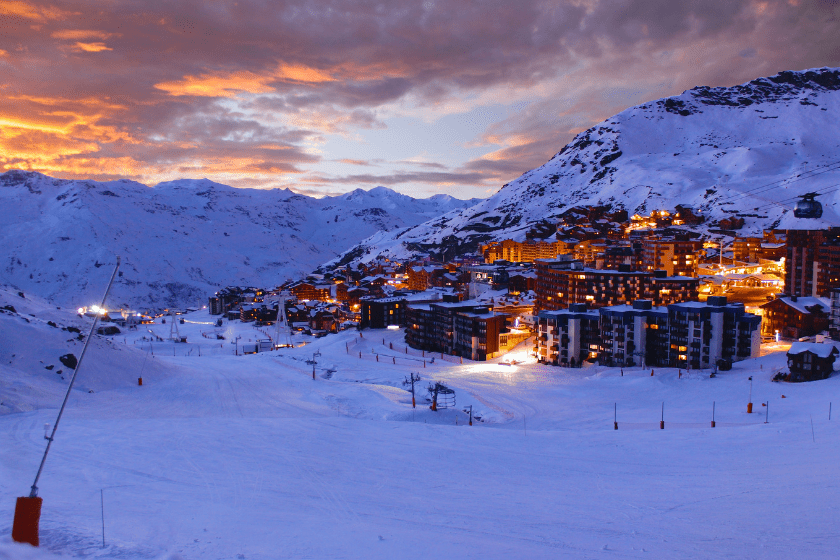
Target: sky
<point>324,97</point>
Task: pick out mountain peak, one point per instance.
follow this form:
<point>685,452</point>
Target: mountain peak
<point>746,151</point>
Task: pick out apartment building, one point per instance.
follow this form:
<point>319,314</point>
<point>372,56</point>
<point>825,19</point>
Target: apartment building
<point>696,335</point>
<point>675,257</point>
<point>457,328</point>
<point>566,337</point>
<point>558,286</point>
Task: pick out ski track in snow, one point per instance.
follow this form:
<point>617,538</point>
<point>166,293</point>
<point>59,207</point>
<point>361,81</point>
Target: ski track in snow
<point>221,456</point>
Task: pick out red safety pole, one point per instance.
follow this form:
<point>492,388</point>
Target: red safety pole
<point>662,422</point>
<point>713,414</point>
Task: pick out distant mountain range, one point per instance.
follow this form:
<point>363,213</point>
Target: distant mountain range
<point>181,240</point>
<point>745,151</point>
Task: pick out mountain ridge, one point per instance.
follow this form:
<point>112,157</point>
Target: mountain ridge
<point>180,240</point>
<point>714,149</point>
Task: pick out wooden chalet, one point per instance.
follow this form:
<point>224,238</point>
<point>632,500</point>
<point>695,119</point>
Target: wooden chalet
<point>810,361</point>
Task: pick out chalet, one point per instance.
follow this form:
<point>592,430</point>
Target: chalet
<point>339,292</point>
<point>324,320</point>
<point>520,282</point>
<point>795,316</point>
<point>309,291</point>
<point>810,361</point>
<point>354,295</point>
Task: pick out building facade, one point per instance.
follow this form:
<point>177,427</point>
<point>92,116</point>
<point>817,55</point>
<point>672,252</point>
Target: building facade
<point>795,316</point>
<point>675,257</point>
<point>558,286</point>
<point>696,335</point>
<point>381,313</point>
<point>566,337</point>
<point>456,328</point>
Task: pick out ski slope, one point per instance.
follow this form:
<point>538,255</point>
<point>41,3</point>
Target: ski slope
<point>225,456</point>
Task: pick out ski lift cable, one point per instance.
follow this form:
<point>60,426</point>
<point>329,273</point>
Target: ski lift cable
<point>807,174</point>
<point>834,166</point>
<point>819,192</point>
<point>786,202</point>
<point>754,193</point>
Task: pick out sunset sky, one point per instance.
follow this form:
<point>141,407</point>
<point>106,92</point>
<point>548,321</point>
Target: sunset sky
<point>324,97</point>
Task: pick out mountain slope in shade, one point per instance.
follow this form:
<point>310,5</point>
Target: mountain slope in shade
<point>183,239</point>
<point>744,151</point>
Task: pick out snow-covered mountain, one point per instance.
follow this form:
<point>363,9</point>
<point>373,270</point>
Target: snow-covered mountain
<point>744,151</point>
<point>183,239</point>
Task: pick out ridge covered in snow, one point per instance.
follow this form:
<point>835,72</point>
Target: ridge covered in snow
<point>181,240</point>
<point>746,151</point>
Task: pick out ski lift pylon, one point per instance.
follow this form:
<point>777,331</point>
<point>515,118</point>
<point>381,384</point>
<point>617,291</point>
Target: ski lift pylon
<point>442,396</point>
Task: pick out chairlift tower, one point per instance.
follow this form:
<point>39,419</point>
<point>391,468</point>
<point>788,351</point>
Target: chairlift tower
<point>174,334</point>
<point>282,324</point>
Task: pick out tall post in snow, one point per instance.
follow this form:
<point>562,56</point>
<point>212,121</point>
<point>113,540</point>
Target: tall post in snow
<point>28,510</point>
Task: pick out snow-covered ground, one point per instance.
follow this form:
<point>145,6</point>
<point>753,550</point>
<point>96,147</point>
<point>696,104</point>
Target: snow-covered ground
<point>225,456</point>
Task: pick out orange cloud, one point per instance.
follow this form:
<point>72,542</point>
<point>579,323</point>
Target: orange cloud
<point>78,34</point>
<point>55,101</point>
<point>91,47</point>
<point>302,74</point>
<point>217,86</point>
<point>234,83</point>
<point>28,11</point>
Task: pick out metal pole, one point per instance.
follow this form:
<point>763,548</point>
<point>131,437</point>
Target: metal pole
<point>767,415</point>
<point>102,503</point>
<point>662,421</point>
<point>713,414</point>
<point>34,489</point>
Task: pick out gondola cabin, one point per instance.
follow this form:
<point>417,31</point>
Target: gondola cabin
<point>807,207</point>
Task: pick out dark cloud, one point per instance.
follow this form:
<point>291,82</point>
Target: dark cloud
<point>250,86</point>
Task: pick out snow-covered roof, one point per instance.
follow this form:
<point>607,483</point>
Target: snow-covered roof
<point>821,350</point>
<point>802,303</point>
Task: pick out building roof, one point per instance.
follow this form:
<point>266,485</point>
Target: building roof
<point>802,303</point>
<point>818,349</point>
<point>554,313</point>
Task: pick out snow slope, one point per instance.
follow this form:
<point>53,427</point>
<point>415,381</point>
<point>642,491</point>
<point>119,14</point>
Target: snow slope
<point>181,240</point>
<point>224,456</point>
<point>745,151</point>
